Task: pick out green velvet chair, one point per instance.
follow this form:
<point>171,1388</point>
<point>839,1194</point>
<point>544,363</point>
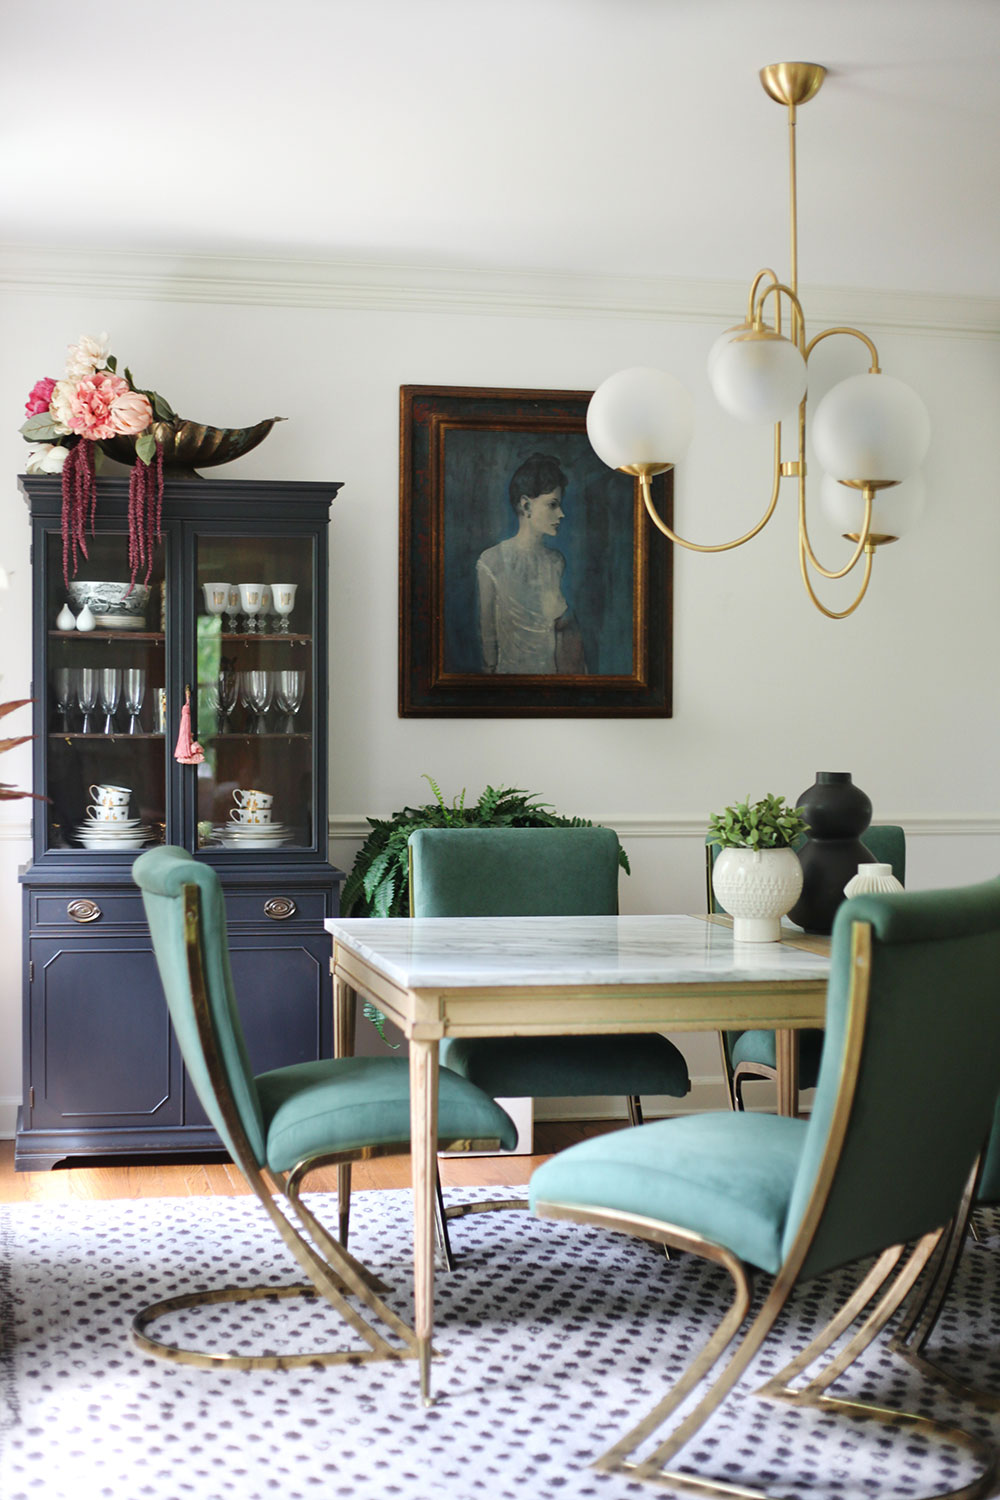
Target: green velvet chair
<point>537,872</point>
<point>748,1056</point>
<point>874,1172</point>
<point>278,1126</point>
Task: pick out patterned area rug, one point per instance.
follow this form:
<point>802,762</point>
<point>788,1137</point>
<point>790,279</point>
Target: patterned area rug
<point>554,1339</point>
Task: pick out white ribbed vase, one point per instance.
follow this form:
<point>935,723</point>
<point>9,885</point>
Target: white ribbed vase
<point>872,880</point>
<point>757,887</point>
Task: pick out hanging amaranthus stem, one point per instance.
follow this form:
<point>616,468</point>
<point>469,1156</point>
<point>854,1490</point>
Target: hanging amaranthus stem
<point>79,496</point>
<point>145,513</point>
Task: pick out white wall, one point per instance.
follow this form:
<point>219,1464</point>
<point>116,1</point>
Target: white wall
<point>766,692</point>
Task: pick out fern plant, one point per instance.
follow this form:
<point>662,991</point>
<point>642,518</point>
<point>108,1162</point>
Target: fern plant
<point>378,885</point>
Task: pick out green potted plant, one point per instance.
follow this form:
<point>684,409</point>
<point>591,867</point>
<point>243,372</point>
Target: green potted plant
<point>757,876</point>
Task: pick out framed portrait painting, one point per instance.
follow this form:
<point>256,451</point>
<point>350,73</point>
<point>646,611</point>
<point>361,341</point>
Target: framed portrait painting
<point>531,579</point>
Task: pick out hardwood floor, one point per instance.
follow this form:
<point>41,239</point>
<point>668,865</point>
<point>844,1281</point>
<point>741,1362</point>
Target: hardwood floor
<point>178,1180</point>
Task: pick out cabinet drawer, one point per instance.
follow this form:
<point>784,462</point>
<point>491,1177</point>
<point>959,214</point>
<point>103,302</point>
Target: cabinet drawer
<point>87,908</point>
<point>278,905</point>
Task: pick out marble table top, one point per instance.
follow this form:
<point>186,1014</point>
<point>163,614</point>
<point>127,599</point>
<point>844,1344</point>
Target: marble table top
<point>473,952</point>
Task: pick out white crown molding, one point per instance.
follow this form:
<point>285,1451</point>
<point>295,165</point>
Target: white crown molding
<point>640,826</point>
<point>382,287</point>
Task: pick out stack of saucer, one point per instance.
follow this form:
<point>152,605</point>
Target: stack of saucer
<point>253,835</point>
<point>130,834</point>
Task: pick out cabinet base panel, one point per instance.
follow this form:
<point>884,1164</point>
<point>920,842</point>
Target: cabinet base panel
<point>42,1150</point>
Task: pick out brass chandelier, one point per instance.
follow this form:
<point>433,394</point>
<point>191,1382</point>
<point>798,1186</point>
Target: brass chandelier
<point>870,432</point>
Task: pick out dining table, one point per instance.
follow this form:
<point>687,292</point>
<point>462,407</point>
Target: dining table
<point>439,977</point>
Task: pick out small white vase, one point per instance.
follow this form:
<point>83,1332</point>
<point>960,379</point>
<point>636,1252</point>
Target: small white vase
<point>85,619</point>
<point>65,619</point>
<point>872,879</point>
<point>757,887</point>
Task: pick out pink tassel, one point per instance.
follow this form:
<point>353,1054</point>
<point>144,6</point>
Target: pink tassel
<point>187,750</point>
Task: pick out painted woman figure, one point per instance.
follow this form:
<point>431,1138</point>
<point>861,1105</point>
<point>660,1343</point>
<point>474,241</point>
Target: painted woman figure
<point>525,623</point>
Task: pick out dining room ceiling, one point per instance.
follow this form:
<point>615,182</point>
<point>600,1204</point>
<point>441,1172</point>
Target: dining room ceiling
<point>616,137</point>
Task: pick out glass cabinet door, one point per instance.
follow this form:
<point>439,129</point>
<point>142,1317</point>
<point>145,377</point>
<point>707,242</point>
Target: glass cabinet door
<point>105,701</point>
<point>254,631</point>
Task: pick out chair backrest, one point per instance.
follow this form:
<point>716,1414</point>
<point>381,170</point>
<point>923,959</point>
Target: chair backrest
<point>926,1069</point>
<point>989,1182</point>
<point>885,842</point>
<point>513,872</point>
<point>193,959</point>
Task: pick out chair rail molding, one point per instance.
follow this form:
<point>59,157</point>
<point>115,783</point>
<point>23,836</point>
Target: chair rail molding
<point>387,287</point>
<point>652,826</point>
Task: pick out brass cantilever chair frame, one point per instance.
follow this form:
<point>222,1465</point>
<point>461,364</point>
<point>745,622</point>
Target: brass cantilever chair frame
<point>921,1318</point>
<point>333,1273</point>
<point>880,1293</point>
<point>749,1070</point>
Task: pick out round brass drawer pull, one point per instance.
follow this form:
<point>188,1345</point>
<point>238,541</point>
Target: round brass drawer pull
<point>84,910</point>
<point>280,908</point>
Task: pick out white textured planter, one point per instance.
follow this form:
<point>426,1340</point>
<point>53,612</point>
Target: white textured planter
<point>757,887</point>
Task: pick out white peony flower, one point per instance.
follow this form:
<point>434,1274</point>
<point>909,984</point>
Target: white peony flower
<point>60,404</point>
<point>45,458</point>
<point>87,356</point>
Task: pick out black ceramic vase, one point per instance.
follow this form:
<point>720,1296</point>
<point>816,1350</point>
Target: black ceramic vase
<point>838,812</point>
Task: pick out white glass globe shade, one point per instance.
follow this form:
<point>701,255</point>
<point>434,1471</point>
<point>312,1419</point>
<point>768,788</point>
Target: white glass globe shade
<point>871,427</point>
<point>723,342</point>
<point>894,511</point>
<point>640,416</point>
<point>759,379</point>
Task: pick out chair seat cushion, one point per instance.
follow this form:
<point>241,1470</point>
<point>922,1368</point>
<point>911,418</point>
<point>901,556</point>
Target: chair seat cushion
<point>727,1177</point>
<point>546,1067</point>
<point>760,1047</point>
<point>340,1104</point>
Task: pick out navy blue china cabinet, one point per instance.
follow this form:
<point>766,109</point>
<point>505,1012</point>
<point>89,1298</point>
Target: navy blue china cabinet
<point>227,637</point>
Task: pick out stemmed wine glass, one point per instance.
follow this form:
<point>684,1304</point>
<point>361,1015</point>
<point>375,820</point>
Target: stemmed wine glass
<point>233,609</point>
<point>216,597</point>
<point>111,687</point>
<point>226,686</point>
<point>251,598</point>
<point>135,691</point>
<point>260,693</point>
<point>289,692</point>
<point>64,689</point>
<point>283,602</point>
<point>86,695</point>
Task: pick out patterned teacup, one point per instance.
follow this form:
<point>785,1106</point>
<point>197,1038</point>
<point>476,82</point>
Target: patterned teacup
<point>253,800</point>
<point>96,814</point>
<point>246,815</point>
<point>106,794</point>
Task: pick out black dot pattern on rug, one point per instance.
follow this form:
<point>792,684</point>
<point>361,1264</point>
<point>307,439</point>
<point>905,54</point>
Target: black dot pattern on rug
<point>554,1340</point>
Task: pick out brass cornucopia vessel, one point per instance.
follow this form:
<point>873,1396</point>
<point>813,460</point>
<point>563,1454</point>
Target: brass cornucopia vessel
<point>188,446</point>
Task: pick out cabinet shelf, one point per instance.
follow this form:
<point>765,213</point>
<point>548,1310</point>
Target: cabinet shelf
<point>62,734</point>
<point>249,640</point>
<point>248,738</point>
<point>156,637</point>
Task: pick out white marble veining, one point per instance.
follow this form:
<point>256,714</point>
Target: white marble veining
<point>470,952</point>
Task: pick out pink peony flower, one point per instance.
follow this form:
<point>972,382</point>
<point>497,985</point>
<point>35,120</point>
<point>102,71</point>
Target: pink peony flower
<point>90,406</point>
<point>131,413</point>
<point>41,395</point>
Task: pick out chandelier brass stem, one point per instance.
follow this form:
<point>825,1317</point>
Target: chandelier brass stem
<point>832,614</point>
<point>644,473</point>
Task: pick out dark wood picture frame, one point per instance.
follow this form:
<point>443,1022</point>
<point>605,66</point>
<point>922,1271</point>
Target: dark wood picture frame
<point>461,451</point>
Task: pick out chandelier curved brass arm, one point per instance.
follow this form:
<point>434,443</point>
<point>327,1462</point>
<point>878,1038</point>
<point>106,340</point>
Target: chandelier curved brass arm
<point>870,431</point>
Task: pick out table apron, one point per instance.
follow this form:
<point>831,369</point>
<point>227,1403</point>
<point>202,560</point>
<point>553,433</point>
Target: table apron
<point>580,1010</point>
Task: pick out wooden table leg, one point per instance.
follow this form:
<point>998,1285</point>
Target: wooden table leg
<point>345,1009</point>
<point>423,1147</point>
<point>787,1061</point>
